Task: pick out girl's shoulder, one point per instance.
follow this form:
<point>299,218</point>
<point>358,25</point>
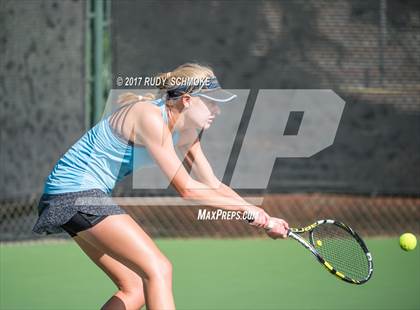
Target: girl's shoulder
<point>144,109</point>
<point>149,121</point>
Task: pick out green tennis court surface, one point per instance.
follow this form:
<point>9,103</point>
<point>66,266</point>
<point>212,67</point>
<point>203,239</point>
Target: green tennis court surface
<point>214,274</point>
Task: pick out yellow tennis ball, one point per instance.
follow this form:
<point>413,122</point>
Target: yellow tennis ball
<point>319,243</point>
<point>408,242</point>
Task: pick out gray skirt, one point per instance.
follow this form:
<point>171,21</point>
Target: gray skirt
<point>55,210</point>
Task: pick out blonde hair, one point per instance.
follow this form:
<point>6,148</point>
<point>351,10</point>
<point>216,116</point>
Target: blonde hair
<point>185,71</point>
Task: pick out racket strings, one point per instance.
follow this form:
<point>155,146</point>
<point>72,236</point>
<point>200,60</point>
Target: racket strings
<point>340,248</point>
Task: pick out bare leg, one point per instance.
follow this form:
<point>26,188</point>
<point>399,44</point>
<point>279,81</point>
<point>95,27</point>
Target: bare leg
<point>120,237</point>
<point>130,293</point>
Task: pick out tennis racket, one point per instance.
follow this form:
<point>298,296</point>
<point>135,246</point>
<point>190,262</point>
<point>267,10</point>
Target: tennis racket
<point>338,248</point>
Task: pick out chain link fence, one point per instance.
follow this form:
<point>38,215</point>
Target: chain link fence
<point>370,216</point>
<point>366,51</point>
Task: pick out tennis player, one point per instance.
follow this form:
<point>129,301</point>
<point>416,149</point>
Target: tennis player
<point>153,127</point>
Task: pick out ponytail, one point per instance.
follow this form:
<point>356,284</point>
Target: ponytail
<point>129,98</point>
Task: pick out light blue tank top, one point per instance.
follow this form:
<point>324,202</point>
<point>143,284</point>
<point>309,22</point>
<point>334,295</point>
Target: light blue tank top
<point>99,159</point>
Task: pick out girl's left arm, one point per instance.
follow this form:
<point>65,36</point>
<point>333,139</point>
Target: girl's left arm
<point>197,163</point>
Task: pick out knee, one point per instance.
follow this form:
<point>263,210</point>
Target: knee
<point>160,268</point>
<point>166,267</point>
